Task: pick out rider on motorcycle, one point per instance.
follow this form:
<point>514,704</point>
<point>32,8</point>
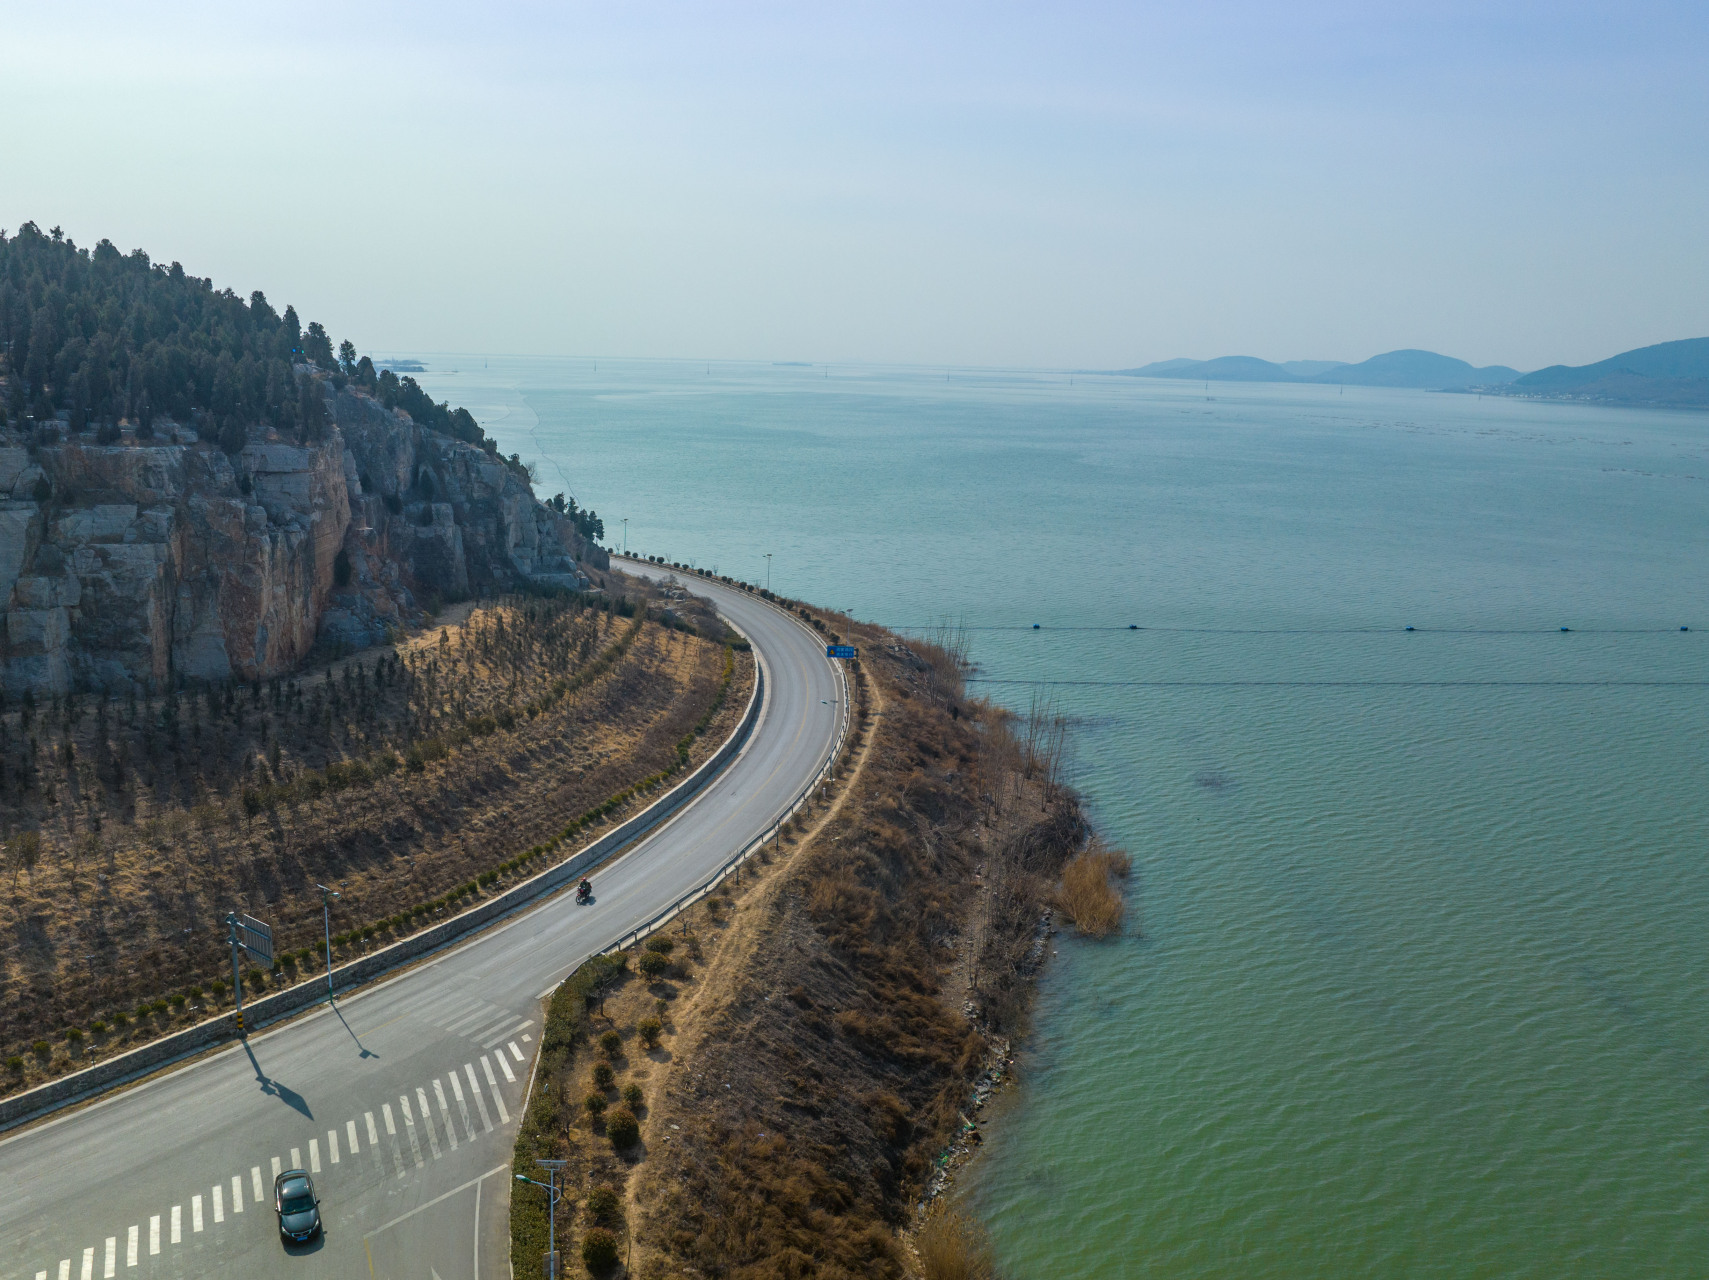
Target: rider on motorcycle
<point>585,888</point>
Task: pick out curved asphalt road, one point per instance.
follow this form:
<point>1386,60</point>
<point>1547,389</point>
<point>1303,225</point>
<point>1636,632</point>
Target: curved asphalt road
<point>405,1098</point>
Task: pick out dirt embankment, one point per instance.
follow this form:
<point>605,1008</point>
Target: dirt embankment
<point>416,778</point>
<point>807,1045</point>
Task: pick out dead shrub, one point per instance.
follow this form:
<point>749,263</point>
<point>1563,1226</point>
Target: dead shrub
<point>1088,897</point>
<point>951,1247</point>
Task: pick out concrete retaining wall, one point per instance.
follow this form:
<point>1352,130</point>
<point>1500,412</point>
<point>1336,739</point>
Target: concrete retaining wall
<point>150,1057</point>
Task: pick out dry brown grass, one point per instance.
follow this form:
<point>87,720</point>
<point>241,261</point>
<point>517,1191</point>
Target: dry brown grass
<point>950,1246</point>
<point>1089,896</point>
<point>132,879</point>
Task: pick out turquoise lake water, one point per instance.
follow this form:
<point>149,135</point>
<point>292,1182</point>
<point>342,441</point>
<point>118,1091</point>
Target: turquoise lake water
<point>1415,974</point>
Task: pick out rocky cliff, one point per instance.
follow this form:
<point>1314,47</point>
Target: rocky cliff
<point>127,564</point>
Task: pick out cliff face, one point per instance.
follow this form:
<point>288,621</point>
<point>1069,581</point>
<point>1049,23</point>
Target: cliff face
<point>128,564</point>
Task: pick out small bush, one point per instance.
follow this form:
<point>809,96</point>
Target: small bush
<point>661,943</point>
<point>632,1096</point>
<point>950,1247</point>
<point>40,1048</point>
<point>652,965</point>
<point>650,1029</point>
<point>179,999</point>
<point>603,1206</point>
<point>195,993</point>
<point>14,1063</point>
<point>1087,896</point>
<point>219,989</point>
<point>603,1076</point>
<point>594,1103</point>
<point>622,1128</point>
<point>120,1022</point>
<point>99,1027</point>
<point>74,1035</point>
<point>599,1250</point>
<point>610,1044</point>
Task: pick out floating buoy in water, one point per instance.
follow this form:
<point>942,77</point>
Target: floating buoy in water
<point>1035,626</point>
<point>1685,628</point>
<point>1566,628</point>
<point>1409,628</point>
<point>1134,626</point>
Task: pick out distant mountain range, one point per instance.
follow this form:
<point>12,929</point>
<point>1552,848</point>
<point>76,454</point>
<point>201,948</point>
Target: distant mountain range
<point>1672,374</point>
<point>1391,369</point>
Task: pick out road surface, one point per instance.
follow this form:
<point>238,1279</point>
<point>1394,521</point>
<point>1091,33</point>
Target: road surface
<point>403,1100</point>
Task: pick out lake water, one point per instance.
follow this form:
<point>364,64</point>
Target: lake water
<point>1415,977</point>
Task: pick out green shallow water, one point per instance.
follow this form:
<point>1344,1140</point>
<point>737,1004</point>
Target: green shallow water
<point>1414,983</point>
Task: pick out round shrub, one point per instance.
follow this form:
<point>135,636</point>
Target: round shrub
<point>14,1063</point>
<point>219,991</point>
<point>74,1035</point>
<point>622,1128</point>
<point>179,999</point>
<point>603,1206</point>
<point>652,965</point>
<point>610,1044</point>
<point>595,1103</point>
<point>599,1250</point>
<point>632,1096</point>
<point>195,993</point>
<point>603,1075</point>
<point>649,1030</point>
<point>661,943</point>
<point>99,1027</point>
<point>40,1047</point>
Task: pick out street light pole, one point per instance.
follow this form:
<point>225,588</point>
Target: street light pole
<point>625,535</point>
<point>550,1187</point>
<point>326,895</point>
<point>768,571</point>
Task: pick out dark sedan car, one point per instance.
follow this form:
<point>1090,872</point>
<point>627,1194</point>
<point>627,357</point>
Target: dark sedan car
<point>294,1201</point>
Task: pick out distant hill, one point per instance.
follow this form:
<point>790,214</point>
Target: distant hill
<point>1669,373</point>
<point>1410,368</point>
<point>1392,369</point>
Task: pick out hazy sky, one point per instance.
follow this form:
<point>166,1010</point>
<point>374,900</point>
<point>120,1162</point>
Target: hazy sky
<point>1052,184</point>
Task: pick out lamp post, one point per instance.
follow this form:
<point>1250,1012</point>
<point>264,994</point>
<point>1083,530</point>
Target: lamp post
<point>551,1189</point>
<point>625,535</point>
<point>768,571</point>
<point>326,896</point>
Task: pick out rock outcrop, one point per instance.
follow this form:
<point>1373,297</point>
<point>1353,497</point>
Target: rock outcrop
<point>126,565</point>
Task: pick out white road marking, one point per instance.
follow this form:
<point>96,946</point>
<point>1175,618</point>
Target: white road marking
<point>296,1158</point>
<point>41,1275</point>
<point>392,1136</point>
<point>89,1263</point>
<point>445,1113</point>
<point>65,1269</point>
<point>409,1129</point>
<point>373,1133</point>
<point>130,1247</point>
<point>350,1132</point>
<point>277,1165</point>
<point>219,1203</point>
<point>236,1193</point>
<point>527,1039</point>
<point>515,1052</point>
<point>314,1155</point>
<point>457,1028</point>
<point>427,1120</point>
<point>177,1224</point>
<point>195,1213</point>
<point>255,1177</point>
<point>109,1264</point>
<point>457,1089</point>
<point>504,1066</point>
<point>498,1098</point>
<point>154,1235</point>
<point>332,1146</point>
<point>480,1102</point>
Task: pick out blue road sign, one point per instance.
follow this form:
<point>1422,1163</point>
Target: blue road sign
<point>841,651</point>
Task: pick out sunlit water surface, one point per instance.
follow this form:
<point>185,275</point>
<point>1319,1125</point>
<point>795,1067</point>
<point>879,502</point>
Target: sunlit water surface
<point>1414,979</point>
